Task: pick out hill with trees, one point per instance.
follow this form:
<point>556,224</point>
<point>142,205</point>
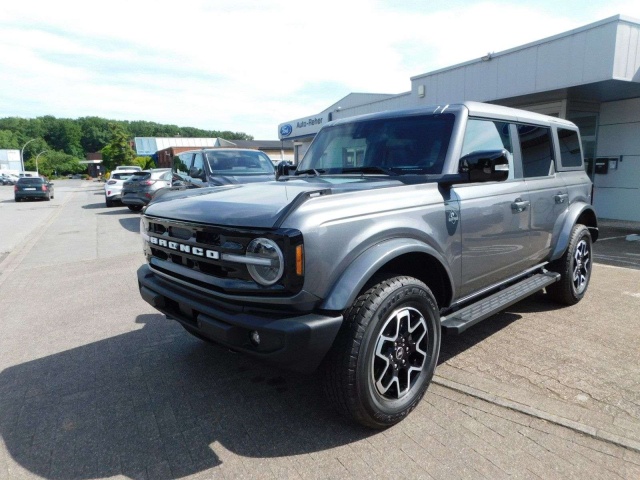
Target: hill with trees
<point>62,142</point>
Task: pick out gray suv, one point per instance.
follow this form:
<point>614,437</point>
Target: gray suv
<point>395,227</point>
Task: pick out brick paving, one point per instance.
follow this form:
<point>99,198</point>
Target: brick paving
<point>95,384</point>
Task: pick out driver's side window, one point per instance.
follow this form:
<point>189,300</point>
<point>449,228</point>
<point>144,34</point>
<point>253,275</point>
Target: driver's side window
<point>488,135</point>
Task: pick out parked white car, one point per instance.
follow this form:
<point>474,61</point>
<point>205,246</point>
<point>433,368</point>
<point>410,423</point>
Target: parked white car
<point>113,186</point>
<point>135,168</point>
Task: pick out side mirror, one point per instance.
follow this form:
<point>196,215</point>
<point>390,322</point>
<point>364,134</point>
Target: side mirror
<point>195,172</point>
<point>284,168</point>
<point>485,165</point>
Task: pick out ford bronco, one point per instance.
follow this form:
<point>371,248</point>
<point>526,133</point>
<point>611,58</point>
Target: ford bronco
<point>394,228</point>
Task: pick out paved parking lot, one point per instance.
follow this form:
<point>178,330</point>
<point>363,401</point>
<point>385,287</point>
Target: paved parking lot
<point>95,384</point>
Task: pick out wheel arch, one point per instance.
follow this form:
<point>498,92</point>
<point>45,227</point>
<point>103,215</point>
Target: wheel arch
<point>581,213</point>
<point>393,257</point>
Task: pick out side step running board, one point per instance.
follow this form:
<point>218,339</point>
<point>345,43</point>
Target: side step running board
<point>458,322</point>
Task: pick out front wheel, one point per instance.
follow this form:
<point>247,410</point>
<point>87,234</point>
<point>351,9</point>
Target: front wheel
<point>574,267</point>
<point>385,354</point>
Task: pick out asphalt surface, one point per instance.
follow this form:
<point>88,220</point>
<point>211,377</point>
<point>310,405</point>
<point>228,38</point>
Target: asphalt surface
<point>95,384</point>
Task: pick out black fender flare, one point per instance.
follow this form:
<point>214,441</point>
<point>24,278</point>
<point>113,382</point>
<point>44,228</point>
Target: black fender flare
<point>346,289</point>
<point>570,219</point>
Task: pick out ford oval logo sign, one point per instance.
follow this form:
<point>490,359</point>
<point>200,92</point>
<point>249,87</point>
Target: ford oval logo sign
<point>285,130</point>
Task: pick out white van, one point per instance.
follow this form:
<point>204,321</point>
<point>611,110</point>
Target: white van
<point>28,174</point>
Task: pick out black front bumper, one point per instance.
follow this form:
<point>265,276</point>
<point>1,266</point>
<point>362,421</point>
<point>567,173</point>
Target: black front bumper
<point>290,340</point>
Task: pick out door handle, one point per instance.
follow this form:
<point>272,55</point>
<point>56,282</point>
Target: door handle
<point>520,205</point>
<point>561,197</point>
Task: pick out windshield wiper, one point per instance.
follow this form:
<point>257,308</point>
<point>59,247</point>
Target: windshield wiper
<point>310,171</point>
<point>369,169</point>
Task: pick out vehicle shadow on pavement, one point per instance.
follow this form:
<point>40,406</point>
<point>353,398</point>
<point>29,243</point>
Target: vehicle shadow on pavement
<point>158,403</point>
<point>91,206</point>
<point>118,210</point>
<point>132,224</point>
<point>453,345</point>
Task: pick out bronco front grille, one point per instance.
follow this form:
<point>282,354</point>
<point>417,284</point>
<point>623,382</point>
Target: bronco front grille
<point>201,249</point>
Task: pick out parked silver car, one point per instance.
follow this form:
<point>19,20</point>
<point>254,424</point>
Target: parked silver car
<point>138,190</point>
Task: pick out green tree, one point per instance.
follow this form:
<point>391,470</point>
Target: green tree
<point>9,140</point>
<point>144,162</point>
<point>118,151</point>
<point>95,133</point>
<point>55,163</point>
<point>64,135</point>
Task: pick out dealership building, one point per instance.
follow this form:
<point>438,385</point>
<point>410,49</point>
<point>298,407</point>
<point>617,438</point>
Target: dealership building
<point>590,76</point>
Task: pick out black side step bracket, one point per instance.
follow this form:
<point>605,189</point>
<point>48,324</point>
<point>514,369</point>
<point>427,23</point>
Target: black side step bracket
<point>459,321</point>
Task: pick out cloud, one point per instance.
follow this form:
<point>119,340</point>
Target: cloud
<point>247,66</point>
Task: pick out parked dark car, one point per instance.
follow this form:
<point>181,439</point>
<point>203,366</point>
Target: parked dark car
<point>211,167</point>
<point>139,189</point>
<point>32,188</point>
<point>222,166</point>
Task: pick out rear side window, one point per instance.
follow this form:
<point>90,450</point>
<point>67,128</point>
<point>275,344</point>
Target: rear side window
<point>537,150</point>
<point>569,141</point>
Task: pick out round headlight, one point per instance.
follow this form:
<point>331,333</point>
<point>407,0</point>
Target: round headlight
<point>269,264</point>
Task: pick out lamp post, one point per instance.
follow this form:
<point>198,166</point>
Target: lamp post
<point>38,171</point>
<point>22,153</point>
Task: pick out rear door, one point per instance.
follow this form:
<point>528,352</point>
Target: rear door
<point>549,194</point>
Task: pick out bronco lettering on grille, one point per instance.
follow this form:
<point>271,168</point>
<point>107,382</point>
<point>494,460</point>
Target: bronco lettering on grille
<point>197,251</point>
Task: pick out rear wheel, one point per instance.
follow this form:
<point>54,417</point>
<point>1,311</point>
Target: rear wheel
<point>108,202</point>
<point>135,208</point>
<point>574,267</point>
<point>385,354</point>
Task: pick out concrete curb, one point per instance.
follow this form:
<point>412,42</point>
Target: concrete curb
<point>596,433</point>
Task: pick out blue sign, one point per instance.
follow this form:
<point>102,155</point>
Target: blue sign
<point>285,130</point>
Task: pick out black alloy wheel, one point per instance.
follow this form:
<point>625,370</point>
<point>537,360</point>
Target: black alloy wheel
<point>385,354</point>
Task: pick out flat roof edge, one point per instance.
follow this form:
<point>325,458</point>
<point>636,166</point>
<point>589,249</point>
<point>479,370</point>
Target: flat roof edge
<point>616,18</point>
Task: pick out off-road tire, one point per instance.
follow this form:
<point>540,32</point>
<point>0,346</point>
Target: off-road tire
<point>355,367</point>
<point>574,267</point>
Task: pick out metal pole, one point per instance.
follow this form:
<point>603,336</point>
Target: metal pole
<point>38,171</point>
<point>22,153</point>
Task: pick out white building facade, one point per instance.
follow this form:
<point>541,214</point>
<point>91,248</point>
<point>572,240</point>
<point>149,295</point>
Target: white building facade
<point>590,75</point>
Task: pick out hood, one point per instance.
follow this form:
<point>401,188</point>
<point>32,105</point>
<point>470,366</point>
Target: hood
<point>256,205</point>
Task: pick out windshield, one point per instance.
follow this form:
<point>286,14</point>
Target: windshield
<point>409,144</point>
<point>239,163</point>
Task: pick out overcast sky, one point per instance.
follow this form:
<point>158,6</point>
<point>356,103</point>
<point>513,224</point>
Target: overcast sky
<point>244,65</point>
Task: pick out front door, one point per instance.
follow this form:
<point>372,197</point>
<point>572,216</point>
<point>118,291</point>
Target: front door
<point>494,216</point>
